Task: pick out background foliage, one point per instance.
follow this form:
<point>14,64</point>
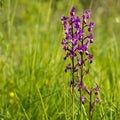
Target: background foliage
<point>33,84</point>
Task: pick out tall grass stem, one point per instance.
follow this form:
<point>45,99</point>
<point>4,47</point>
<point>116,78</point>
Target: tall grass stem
<point>43,106</point>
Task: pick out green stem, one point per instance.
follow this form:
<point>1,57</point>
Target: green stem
<point>81,76</point>
<point>43,105</point>
<point>72,106</point>
<point>91,4</point>
<point>8,19</point>
<point>90,107</point>
<point>72,82</point>
<point>82,53</point>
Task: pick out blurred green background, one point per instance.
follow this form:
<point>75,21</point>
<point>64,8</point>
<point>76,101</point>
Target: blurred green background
<point>33,84</point>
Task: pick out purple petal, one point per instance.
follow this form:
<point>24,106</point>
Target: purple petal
<point>91,40</point>
<point>68,66</point>
<point>96,100</point>
<point>75,70</point>
<point>65,25</point>
<point>90,57</point>
<point>80,86</point>
<point>86,52</point>
<point>64,47</point>
<point>77,25</point>
<point>87,13</point>
<point>68,54</point>
<point>72,12</point>
<point>89,29</point>
<point>82,99</point>
<point>91,24</point>
<point>90,36</point>
<point>64,18</point>
<point>63,42</point>
<point>88,91</point>
<point>77,19</point>
<point>97,88</point>
<point>79,62</point>
<point>96,93</point>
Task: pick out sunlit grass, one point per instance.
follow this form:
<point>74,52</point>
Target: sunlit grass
<point>33,84</point>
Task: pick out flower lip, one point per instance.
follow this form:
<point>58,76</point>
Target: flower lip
<point>79,62</point>
<point>63,42</point>
<point>77,19</point>
<point>87,13</point>
<point>96,100</point>
<point>64,47</point>
<point>68,66</point>
<point>83,16</point>
<point>91,40</point>
<point>96,93</point>
<point>90,36</point>
<point>80,85</point>
<point>63,18</point>
<point>68,54</point>
<point>82,99</point>
<point>88,91</point>
<point>97,88</point>
<point>77,26</point>
<point>90,57</point>
<point>65,25</point>
<point>91,24</point>
<point>75,69</point>
<point>72,12</point>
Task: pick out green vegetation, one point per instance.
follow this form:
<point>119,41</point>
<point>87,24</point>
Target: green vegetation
<point>33,84</point>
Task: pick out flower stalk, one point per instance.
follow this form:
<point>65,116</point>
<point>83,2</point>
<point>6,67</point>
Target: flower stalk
<point>72,81</point>
<point>90,107</point>
<point>78,37</point>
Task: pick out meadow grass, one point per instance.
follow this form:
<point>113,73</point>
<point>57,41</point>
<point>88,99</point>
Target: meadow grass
<point>33,84</point>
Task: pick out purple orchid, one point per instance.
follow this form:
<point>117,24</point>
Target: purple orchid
<point>78,37</point>
<point>82,99</point>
